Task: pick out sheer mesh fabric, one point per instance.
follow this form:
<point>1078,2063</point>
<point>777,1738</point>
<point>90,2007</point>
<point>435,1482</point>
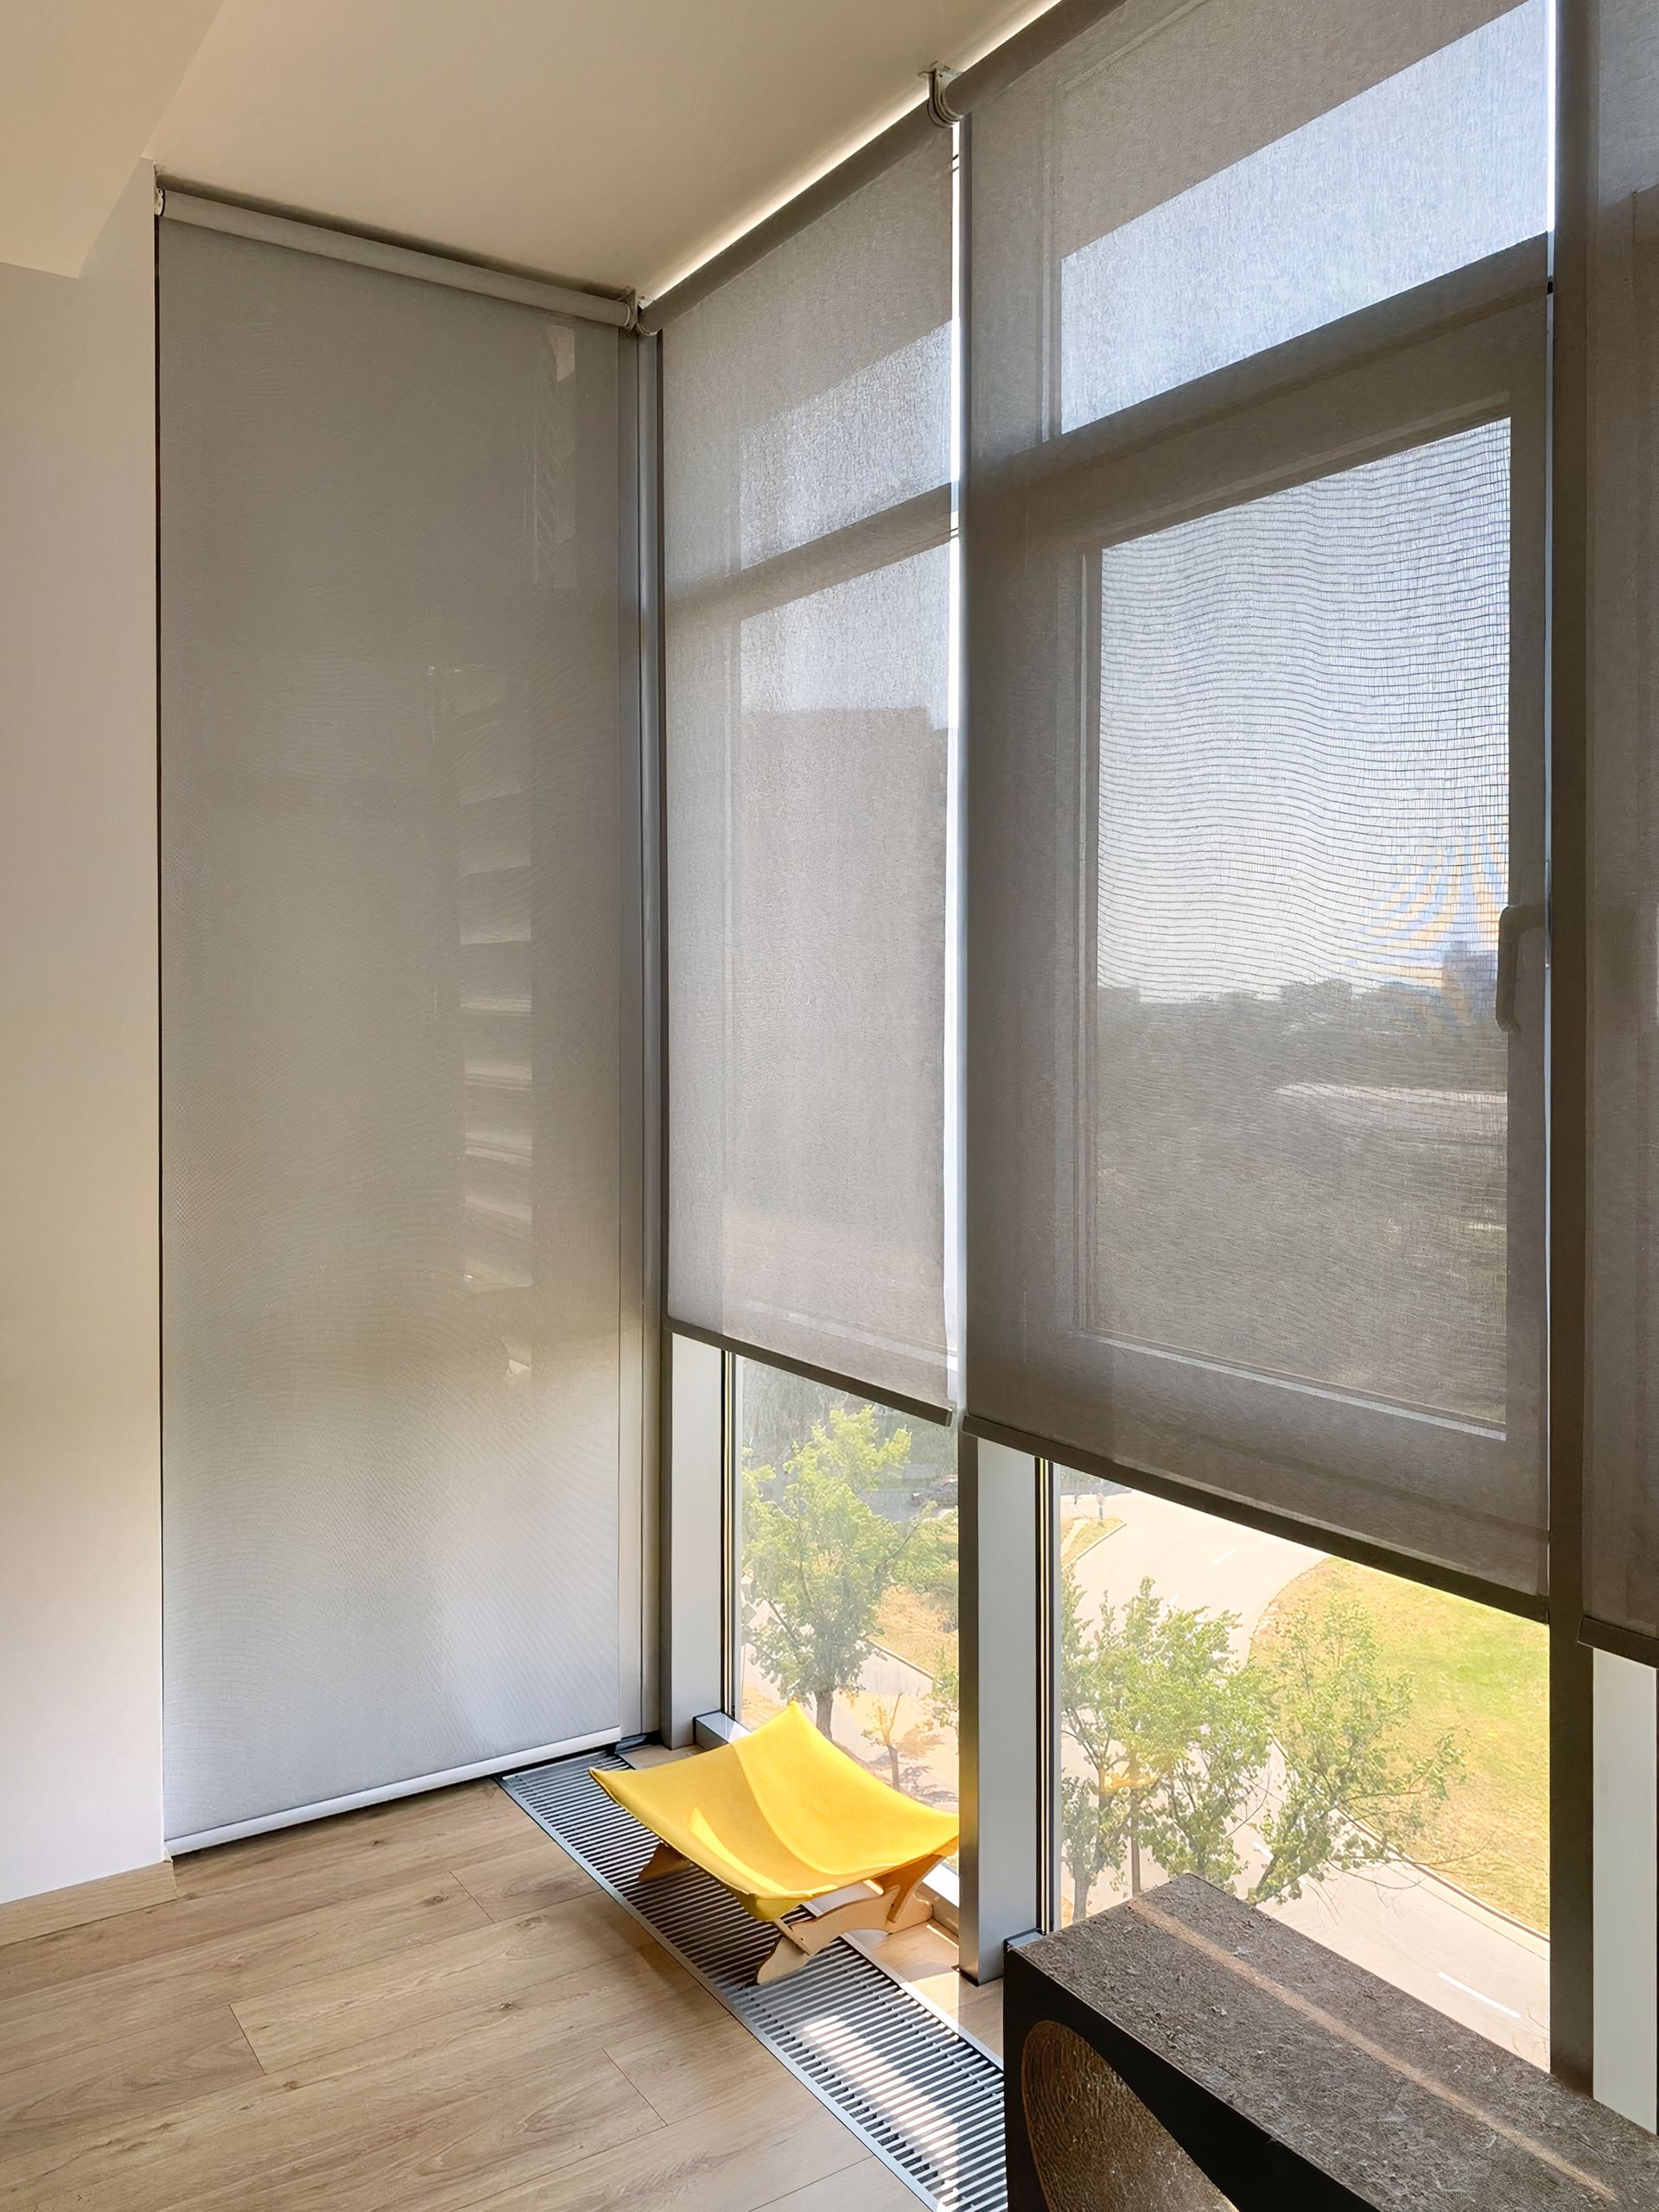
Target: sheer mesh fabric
<point>1254,1128</point>
<point>807,514</point>
<point>1622,1472</point>
<point>1300,1093</point>
<point>392,1037</point>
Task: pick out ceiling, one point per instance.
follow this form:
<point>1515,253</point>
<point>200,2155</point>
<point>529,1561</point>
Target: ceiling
<point>611,142</point>
<point>81,84</point>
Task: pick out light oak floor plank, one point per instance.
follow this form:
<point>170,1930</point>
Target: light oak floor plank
<point>47,2108</point>
<point>472,1817</point>
<point>575,1955</point>
<point>371,2134</point>
<point>203,1912</point>
<point>425,2005</point>
<point>26,1917</point>
<point>743,2149</point>
<point>678,2073</point>
<point>528,1879</point>
<point>870,2187</point>
<point>295,1949</point>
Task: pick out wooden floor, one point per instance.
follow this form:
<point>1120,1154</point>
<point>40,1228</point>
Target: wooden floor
<point>424,2004</point>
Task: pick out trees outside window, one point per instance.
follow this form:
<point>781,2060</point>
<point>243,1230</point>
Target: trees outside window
<point>1259,1774</point>
<point>1355,1754</point>
<point>849,1563</point>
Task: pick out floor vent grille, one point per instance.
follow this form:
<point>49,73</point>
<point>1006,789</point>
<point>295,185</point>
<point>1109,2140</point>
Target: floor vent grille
<point>924,2097</point>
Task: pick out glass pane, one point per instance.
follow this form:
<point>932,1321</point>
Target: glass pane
<point>848,1564</point>
<point>1300,1088</point>
<point>1360,1757</point>
<point>1436,167</point>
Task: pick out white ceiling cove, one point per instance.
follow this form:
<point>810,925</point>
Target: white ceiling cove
<point>612,141</point>
<point>81,84</point>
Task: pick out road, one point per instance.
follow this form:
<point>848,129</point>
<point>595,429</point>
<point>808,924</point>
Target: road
<point>1190,1560</point>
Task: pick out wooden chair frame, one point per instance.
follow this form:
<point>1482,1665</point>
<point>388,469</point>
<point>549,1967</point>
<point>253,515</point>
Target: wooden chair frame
<point>895,1901</point>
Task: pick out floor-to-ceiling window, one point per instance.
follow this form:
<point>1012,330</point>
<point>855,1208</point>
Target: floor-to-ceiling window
<point>1259,1019</point>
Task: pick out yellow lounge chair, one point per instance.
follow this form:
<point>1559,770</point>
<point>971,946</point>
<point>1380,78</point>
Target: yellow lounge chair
<point>782,1817</point>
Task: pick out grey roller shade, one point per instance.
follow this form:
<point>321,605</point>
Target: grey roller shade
<point>807,516</point>
<point>1618,137</point>
<point>395,1048</point>
<point>1256,765</point>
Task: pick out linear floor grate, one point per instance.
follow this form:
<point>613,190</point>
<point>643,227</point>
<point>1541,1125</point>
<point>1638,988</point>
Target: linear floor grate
<point>924,2097</point>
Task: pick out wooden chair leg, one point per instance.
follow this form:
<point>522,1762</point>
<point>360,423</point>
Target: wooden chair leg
<point>898,1903</point>
<point>664,1860</point>
<point>786,1957</point>
<point>906,1906</point>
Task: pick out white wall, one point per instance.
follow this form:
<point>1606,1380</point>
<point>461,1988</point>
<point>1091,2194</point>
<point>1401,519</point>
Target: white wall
<point>82,84</point>
<point>79,1467</point>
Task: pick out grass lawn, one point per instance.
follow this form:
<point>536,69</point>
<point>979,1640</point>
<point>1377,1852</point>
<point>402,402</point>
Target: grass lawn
<point>1481,1674</point>
<point>1081,1532</point>
<point>914,1626</point>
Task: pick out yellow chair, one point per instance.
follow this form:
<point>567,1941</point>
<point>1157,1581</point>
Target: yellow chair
<point>782,1817</point>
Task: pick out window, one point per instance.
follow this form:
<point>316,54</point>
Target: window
<point>807,757</point>
<point>1301,856</point>
<point>1255,604</point>
<point>1358,1754</point>
<point>844,1527</point>
<point>1265,1150</point>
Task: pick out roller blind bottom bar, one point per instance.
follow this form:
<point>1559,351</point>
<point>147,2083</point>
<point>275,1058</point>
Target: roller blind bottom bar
<point>236,220</point>
<point>1622,1643</point>
<point>507,1763</point>
<point>1406,1565</point>
<point>918,1409</point>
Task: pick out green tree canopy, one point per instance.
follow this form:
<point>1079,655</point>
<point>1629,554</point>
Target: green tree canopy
<point>1352,1796</point>
<point>819,1556</point>
<point>1144,1695</point>
<point>1184,1746</point>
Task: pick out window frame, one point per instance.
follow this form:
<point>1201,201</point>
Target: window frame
<point>1463,350</point>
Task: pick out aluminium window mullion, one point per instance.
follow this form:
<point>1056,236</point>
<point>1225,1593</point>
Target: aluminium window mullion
<point>1514,277</point>
<point>1572,1665</point>
<point>693,1538</point>
<point>1001,1628</point>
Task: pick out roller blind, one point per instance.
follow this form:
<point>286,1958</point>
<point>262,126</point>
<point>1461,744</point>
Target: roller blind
<point>1622,1492</point>
<point>393,1038</point>
<point>1255,606</point>
<point>807,516</point>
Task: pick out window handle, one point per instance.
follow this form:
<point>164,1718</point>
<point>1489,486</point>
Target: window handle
<point>1512,925</point>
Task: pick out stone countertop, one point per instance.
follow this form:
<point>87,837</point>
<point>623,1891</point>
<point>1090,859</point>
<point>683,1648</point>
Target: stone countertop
<point>1389,2099</point>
